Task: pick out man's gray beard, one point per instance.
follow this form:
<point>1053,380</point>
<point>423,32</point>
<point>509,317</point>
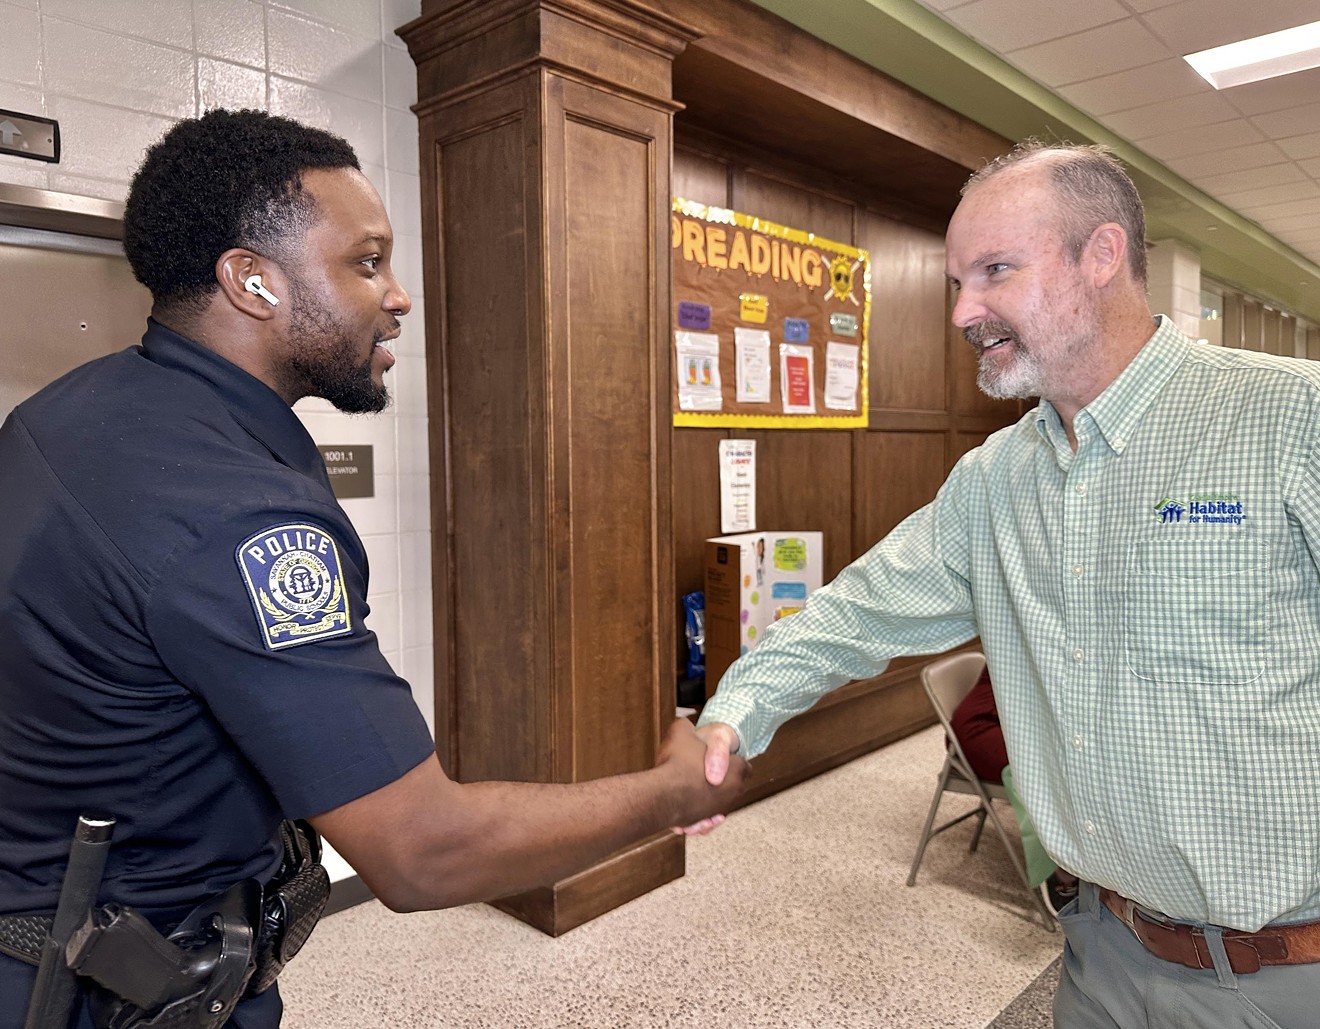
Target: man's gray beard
<point>1021,380</point>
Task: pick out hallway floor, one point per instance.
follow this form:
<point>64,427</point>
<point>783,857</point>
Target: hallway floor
<point>795,913</point>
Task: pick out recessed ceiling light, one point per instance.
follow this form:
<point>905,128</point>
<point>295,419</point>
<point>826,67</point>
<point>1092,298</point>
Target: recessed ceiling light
<point>1264,57</point>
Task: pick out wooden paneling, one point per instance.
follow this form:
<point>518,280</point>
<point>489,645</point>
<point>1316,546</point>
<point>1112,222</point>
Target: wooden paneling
<point>804,481</point>
<point>580,898</point>
<point>1271,341</point>
<point>1288,336</point>
<point>754,78</point>
<point>702,179</point>
<point>925,409</point>
<point>899,472</point>
<point>1313,343</point>
<point>610,425</point>
<point>568,514</point>
<point>494,673</point>
<point>907,353</point>
<point>696,505</point>
<point>1232,319</point>
<point>796,206</point>
<point>1252,334</point>
<point>546,133</point>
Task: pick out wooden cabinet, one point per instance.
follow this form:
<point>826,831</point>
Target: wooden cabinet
<point>568,514</point>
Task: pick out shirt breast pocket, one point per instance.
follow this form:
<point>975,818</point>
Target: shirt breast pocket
<point>1195,610</point>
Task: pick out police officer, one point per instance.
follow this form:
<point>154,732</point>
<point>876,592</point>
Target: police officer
<point>183,616</point>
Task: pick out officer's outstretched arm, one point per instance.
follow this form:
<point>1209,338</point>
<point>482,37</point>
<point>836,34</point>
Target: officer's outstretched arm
<point>425,841</point>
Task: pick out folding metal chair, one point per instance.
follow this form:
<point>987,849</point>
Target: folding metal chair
<point>947,681</point>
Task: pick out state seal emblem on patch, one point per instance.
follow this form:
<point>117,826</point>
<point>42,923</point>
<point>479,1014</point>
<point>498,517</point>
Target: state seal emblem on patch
<point>296,585</point>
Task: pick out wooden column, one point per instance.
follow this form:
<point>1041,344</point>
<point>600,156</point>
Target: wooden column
<point>546,138</point>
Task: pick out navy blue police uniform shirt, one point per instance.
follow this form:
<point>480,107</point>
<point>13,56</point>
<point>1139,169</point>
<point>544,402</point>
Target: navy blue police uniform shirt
<point>182,631</point>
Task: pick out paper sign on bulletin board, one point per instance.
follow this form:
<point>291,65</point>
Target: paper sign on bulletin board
<point>770,323</point>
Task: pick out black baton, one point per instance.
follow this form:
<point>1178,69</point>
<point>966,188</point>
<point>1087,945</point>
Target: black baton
<point>56,987</point>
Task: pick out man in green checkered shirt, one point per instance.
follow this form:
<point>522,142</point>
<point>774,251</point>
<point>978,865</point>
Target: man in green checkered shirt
<point>1138,558</point>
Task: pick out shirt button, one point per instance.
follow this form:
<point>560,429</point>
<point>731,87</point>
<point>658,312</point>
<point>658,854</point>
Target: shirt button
<point>1079,654</point>
<point>1077,742</point>
<point>1090,827</point>
<point>1077,571</point>
<point>1081,488</point>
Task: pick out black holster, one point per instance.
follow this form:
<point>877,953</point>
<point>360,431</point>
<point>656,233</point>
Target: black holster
<point>232,945</point>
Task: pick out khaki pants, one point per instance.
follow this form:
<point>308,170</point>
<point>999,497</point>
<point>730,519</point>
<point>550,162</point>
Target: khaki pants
<point>1110,981</point>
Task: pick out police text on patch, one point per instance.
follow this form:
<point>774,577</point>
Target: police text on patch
<point>296,584</point>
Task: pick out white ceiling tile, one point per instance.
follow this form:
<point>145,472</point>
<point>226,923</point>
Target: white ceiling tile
<point>1293,122</point>
<point>1012,24</point>
<point>1206,139</point>
<point>1134,87</point>
<point>1086,55</point>
<point>1148,5</point>
<point>1248,178</point>
<point>1289,222</point>
<point>1252,202</point>
<point>1255,155</point>
<point>1169,115</point>
<point>1283,211</point>
<point>1200,24</point>
<point>1273,94</point>
<point>1307,241</point>
<point>1255,147</point>
<point>1298,147</point>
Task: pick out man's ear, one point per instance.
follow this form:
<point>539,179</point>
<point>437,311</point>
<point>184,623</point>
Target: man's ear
<point>1106,253</point>
<point>250,282</point>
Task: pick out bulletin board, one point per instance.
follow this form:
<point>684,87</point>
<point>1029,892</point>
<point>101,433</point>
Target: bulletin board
<point>770,323</point>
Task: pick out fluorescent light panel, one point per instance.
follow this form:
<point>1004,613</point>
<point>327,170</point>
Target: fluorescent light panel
<point>1264,57</point>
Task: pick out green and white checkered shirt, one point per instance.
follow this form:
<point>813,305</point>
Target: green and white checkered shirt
<point>1150,610</point>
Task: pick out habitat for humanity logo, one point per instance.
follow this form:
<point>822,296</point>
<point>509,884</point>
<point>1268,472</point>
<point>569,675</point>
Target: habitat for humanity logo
<point>1223,508</point>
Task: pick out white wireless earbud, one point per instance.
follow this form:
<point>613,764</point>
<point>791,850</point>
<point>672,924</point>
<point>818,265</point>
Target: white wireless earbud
<point>253,285</point>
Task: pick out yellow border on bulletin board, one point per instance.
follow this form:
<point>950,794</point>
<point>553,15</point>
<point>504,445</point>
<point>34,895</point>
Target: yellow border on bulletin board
<point>709,419</point>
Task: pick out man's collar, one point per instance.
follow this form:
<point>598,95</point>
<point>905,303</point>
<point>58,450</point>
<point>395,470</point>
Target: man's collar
<point>1118,411</point>
<point>254,405</point>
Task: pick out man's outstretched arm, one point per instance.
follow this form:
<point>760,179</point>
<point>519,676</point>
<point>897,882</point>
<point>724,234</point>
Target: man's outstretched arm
<point>425,841</point>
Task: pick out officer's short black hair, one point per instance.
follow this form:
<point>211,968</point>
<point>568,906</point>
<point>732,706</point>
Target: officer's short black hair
<point>227,179</point>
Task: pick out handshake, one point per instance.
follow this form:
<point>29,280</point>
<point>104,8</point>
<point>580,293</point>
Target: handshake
<point>708,774</point>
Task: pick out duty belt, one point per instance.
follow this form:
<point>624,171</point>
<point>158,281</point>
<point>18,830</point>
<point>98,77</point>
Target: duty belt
<point>232,945</point>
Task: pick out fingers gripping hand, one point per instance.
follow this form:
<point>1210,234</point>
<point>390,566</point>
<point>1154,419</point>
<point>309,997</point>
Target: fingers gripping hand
<point>723,769</point>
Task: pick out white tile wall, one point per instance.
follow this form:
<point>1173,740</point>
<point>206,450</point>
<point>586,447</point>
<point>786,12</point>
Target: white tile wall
<point>117,73</point>
<point>162,21</point>
<point>233,30</point>
<point>20,57</point>
<point>1174,281</point>
<point>222,84</point>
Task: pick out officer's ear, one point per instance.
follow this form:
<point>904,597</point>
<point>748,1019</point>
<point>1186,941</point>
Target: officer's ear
<point>250,282</point>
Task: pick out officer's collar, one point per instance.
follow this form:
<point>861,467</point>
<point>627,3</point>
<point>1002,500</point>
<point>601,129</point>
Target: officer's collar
<point>259,409</point>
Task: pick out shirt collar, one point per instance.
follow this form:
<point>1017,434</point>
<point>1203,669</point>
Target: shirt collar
<point>261,411</point>
<point>1118,411</point>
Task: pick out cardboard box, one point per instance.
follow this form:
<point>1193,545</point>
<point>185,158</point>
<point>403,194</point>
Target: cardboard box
<point>753,579</point>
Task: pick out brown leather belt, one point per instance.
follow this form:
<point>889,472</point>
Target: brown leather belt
<point>1183,944</point>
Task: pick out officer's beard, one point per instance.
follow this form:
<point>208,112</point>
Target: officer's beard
<point>324,357</point>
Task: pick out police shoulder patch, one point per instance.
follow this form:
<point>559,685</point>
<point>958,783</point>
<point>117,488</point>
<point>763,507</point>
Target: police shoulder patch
<point>296,584</point>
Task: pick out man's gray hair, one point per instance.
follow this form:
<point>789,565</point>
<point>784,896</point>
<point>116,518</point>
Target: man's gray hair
<point>1093,188</point>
